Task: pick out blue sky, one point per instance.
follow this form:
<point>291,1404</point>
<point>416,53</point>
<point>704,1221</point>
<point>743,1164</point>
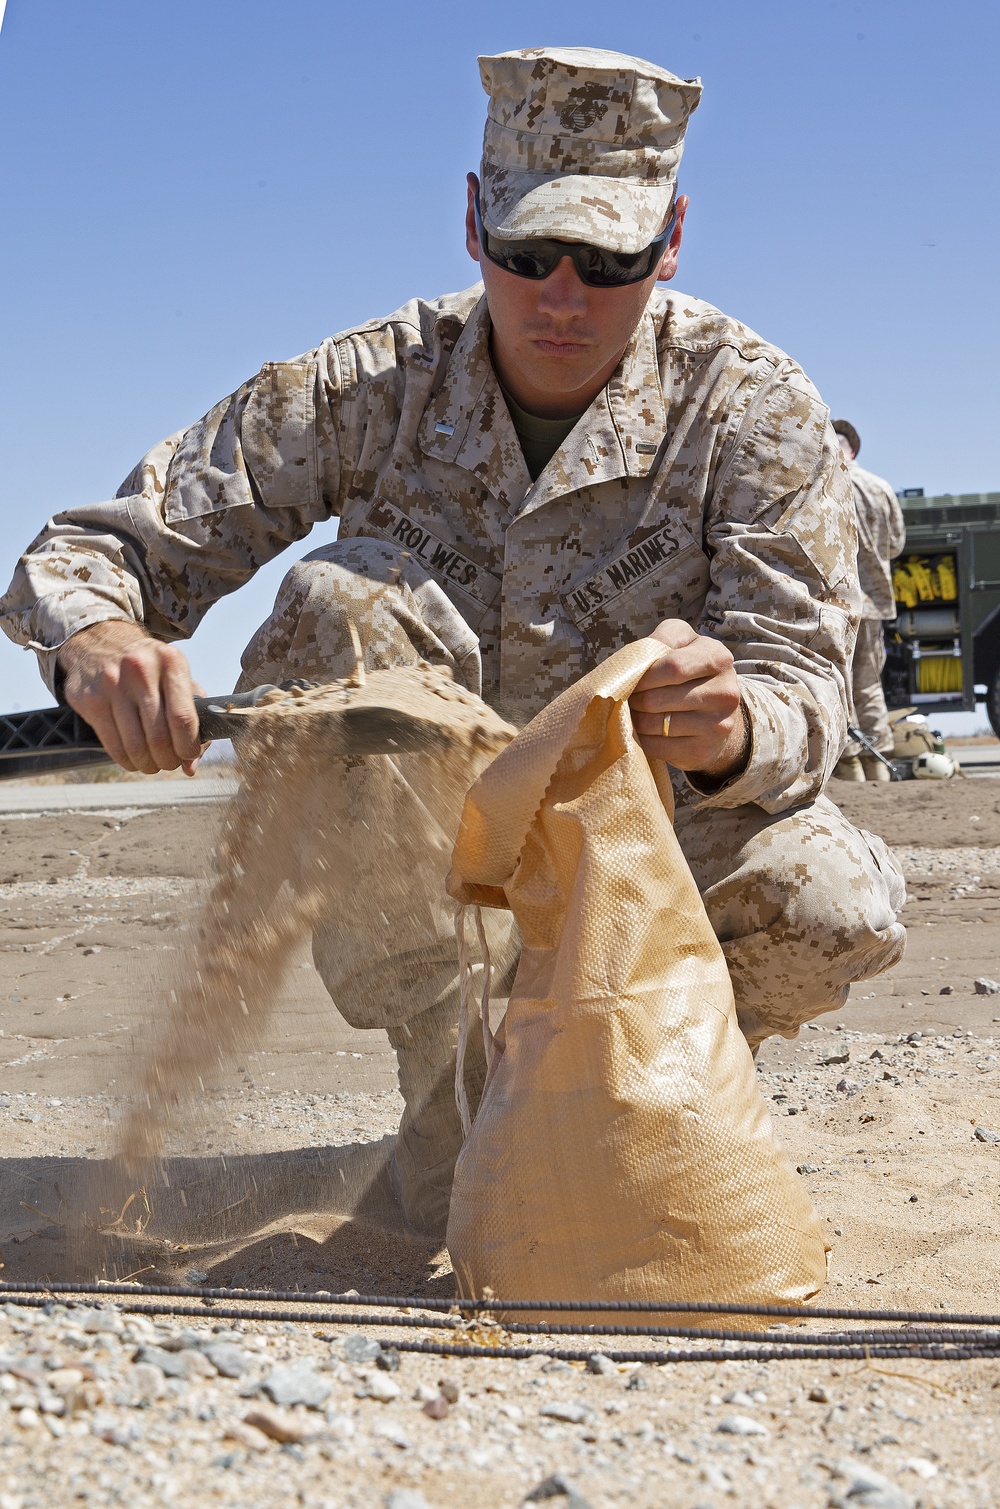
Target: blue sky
<point>188,190</point>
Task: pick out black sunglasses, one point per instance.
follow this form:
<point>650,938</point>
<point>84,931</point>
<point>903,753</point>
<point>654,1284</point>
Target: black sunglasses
<point>538,256</point>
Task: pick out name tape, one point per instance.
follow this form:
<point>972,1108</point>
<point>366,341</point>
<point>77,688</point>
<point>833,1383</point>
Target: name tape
<point>438,557</point>
<point>639,560</point>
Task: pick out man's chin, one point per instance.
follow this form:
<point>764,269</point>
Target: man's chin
<point>567,371</point>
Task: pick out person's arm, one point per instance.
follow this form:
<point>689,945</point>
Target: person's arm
<point>759,701</point>
<point>103,589</point>
<point>897,526</point>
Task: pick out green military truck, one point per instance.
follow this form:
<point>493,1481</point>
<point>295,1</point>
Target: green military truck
<point>943,650</point>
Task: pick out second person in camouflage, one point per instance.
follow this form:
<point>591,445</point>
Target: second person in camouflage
<point>881,536</point>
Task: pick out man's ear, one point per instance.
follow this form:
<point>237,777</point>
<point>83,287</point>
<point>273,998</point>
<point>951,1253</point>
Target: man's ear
<point>471,237</point>
<point>668,265</point>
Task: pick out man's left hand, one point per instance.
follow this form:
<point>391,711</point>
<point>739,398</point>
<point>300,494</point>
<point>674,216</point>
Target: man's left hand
<point>694,681</point>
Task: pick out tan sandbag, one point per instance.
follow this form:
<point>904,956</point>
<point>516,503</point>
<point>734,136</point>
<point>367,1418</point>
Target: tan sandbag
<point>622,1149</point>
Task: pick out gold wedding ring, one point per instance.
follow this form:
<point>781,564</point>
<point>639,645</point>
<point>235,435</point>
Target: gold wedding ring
<point>666,725</point>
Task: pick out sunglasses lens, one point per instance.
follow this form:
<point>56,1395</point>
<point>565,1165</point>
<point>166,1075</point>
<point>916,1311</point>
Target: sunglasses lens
<point>606,269</point>
<point>522,258</point>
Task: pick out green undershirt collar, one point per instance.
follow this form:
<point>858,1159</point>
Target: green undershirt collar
<point>540,438</point>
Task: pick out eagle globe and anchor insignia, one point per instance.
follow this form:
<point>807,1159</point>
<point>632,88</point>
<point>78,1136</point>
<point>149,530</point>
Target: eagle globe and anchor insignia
<point>580,113</point>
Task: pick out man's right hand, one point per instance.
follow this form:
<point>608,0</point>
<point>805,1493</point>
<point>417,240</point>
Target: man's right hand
<point>137,695</point>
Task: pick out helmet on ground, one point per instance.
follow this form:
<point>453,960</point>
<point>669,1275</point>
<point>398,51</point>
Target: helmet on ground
<point>933,766</point>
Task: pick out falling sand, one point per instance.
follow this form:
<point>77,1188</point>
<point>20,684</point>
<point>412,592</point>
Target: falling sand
<point>293,845</point>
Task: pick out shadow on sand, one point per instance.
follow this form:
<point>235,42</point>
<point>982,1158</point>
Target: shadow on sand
<point>306,1218</point>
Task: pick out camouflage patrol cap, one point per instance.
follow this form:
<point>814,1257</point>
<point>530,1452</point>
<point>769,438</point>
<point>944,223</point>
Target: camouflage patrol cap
<point>582,145</point>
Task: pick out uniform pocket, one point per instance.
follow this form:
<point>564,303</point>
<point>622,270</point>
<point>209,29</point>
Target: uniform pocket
<point>257,446</point>
<point>279,433</point>
<point>657,572</point>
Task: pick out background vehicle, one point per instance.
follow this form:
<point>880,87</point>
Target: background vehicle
<point>944,647</point>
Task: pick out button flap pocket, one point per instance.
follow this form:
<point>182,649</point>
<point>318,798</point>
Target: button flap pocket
<point>279,433</point>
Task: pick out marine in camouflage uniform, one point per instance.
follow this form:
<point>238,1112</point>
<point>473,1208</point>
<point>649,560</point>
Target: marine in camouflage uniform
<point>703,483</point>
<point>881,537</point>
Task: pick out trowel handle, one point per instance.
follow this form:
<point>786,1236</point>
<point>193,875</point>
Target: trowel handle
<point>56,738</point>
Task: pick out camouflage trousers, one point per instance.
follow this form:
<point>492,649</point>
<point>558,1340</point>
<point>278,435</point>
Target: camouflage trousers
<point>802,903</point>
<point>869,699</point>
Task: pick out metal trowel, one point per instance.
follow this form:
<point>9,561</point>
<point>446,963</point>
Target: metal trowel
<point>388,712</point>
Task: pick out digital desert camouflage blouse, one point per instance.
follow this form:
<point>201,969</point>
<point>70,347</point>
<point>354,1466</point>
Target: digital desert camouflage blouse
<point>703,483</point>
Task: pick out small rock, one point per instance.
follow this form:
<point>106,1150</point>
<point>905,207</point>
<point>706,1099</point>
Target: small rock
<point>196,1276</point>
<point>554,1487</point>
<point>986,987</point>
<point>170,1364</point>
<point>741,1425</point>
<point>637,1381</point>
<point>250,1437</point>
<point>423,1393</point>
<point>388,1359</point>
<point>738,1396</point>
<point>96,1322</point>
<point>28,1416</point>
<point>983,1134</point>
<point>837,1058</point>
<point>806,1168</point>
<point>437,1408</point>
<point>406,1498</point>
<point>946,990</point>
<point>141,1385</point>
<point>340,1427</point>
<point>278,1426</point>
<point>572,1413</point>
<point>449,1390</point>
<point>361,1349</point>
<point>716,1478</point>
<point>818,1395</point>
<point>391,1432</point>
<point>226,1358</point>
<point>913,1199</point>
<point>603,1366</point>
<point>297,1383</point>
<point>196,1364</point>
<point>922,1467</point>
<point>378,1386</point>
<point>63,1379</point>
<point>106,1428</point>
<point>868,1488</point>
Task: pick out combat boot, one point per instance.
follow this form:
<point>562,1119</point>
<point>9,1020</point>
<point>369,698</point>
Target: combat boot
<point>873,769</point>
<point>848,768</point>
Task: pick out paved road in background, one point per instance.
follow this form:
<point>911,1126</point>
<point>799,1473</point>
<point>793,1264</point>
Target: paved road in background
<point>109,796</point>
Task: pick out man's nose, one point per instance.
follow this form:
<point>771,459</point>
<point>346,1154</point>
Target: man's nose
<point>563,295</point>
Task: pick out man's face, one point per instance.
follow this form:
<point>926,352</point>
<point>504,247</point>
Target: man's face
<point>557,341</point>
<point>845,446</point>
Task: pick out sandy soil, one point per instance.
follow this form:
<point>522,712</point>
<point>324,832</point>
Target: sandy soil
<point>283,1181</point>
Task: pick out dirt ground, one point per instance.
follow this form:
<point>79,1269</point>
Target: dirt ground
<point>282,1180</point>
